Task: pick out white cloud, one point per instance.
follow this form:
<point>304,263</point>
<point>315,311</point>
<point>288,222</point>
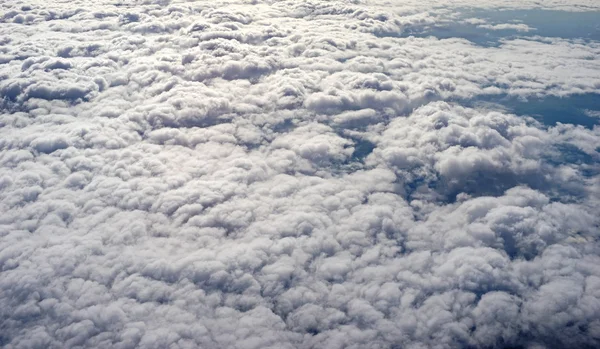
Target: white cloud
<point>520,27</point>
<point>592,113</point>
<point>200,174</point>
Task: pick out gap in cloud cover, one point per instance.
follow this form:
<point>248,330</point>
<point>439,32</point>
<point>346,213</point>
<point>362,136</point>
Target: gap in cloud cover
<point>490,28</point>
<point>574,109</point>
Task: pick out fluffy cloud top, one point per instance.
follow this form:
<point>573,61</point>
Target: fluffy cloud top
<point>290,174</point>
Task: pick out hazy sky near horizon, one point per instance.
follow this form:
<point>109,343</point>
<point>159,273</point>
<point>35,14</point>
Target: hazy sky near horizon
<point>299,174</point>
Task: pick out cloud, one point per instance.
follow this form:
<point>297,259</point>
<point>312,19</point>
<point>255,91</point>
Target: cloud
<point>592,113</point>
<point>290,175</point>
<point>520,27</point>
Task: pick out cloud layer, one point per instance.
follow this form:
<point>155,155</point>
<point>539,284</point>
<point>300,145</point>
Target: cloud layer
<point>290,175</point>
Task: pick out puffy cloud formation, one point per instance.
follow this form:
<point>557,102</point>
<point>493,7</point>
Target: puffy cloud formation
<point>290,174</point>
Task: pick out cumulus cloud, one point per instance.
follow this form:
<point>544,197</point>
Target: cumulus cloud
<point>290,174</point>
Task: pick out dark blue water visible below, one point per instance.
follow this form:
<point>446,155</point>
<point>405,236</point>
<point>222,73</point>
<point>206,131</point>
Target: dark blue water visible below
<point>465,23</point>
<point>544,23</point>
<point>579,109</point>
<point>362,148</point>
